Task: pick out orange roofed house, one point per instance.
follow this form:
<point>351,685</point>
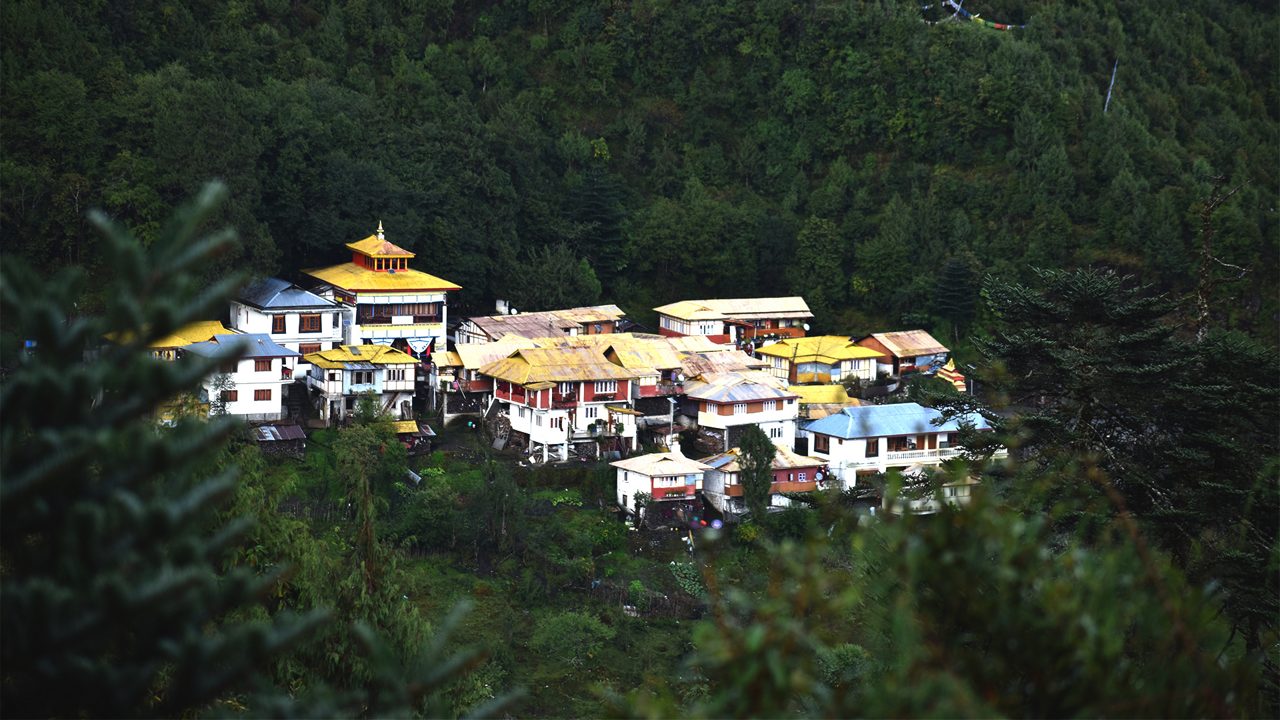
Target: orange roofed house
<point>384,300</point>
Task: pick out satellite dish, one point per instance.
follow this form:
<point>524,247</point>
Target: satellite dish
<point>514,311</point>
<point>818,476</point>
<point>806,327</point>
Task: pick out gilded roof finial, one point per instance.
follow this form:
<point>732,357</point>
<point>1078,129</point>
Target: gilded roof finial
<point>380,235</point>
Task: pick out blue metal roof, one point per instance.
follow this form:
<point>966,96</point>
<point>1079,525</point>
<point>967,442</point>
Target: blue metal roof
<point>890,420</point>
<point>277,294</point>
<point>250,345</point>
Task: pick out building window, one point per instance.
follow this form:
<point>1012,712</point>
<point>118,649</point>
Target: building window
<point>308,348</point>
<point>262,394</point>
<point>395,375</point>
<point>604,387</point>
<point>230,395</point>
<point>873,447</point>
<point>262,365</point>
<point>277,323</point>
<point>333,377</point>
<point>770,405</point>
<point>309,323</point>
<point>537,420</point>
<point>739,408</point>
<point>557,423</point>
<point>591,412</point>
<point>801,477</point>
<point>565,388</point>
<point>821,443</point>
<point>775,432</point>
<point>362,377</point>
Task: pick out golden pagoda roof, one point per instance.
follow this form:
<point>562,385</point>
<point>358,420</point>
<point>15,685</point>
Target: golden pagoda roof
<point>352,277</point>
<point>376,246</point>
<point>192,333</point>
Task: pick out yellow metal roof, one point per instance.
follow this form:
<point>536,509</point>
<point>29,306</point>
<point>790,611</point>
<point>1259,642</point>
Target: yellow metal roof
<point>823,395</point>
<point>349,276</point>
<point>406,426</point>
<point>191,333</point>
<point>823,348</point>
<point>374,246</point>
<point>448,358</point>
<point>565,364</point>
<point>474,356</point>
<point>338,357</point>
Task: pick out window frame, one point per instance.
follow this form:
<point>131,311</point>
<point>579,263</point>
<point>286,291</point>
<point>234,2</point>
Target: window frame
<point>305,322</point>
<point>262,394</point>
<point>277,324</point>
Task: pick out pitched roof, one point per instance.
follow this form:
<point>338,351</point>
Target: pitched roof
<point>656,464</point>
<point>349,276</point>
<point>727,359</point>
<point>909,343</point>
<point>889,420</point>
<point>827,349</point>
<point>645,355</point>
<point>559,364</point>
<point>733,387</point>
<point>546,323</point>
<point>358,357</point>
<point>194,332</point>
<point>247,345</point>
<point>375,246</point>
<point>823,394</point>
<point>737,308</point>
<point>783,459</point>
<point>276,433</point>
<point>475,356</point>
<point>277,294</point>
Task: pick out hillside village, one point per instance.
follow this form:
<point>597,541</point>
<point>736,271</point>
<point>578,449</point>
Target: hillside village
<point>668,409</point>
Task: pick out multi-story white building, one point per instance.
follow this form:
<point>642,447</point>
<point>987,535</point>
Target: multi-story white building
<point>873,438</point>
<point>294,318</point>
<point>384,300</point>
<point>726,403</point>
<point>339,377</point>
<point>735,320</point>
<point>555,397</point>
<point>253,386</point>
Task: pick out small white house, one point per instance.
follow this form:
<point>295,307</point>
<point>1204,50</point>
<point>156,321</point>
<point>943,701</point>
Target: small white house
<point>726,403</point>
<point>873,438</point>
<point>294,318</point>
<point>668,479</point>
<point>253,386</point>
<point>792,473</point>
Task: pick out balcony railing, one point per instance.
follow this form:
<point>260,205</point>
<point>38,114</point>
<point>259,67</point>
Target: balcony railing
<point>564,401</point>
<point>670,388</point>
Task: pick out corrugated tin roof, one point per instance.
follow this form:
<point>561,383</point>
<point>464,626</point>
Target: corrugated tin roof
<point>728,360</point>
<point>783,459</point>
<point>194,332</point>
<point>276,433</point>
<point>546,323</point>
<point>473,356</point>
<point>888,420</point>
<point>823,348</point>
<point>823,394</point>
<point>732,387</point>
<point>375,246</point>
<point>566,364</point>
<point>647,355</point>
<point>359,357</point>
<point>658,464</point>
<point>738,308</point>
<point>277,294</point>
<point>247,345</point>
<point>910,343</point>
<point>349,276</point>
<point>448,358</point>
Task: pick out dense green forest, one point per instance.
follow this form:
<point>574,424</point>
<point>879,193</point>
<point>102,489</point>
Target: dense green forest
<point>844,150</point>
<point>1113,274</point>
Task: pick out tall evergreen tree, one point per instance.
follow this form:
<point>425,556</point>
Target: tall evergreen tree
<point>756,462</point>
<point>815,270</point>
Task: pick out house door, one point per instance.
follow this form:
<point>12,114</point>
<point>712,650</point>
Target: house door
<point>931,441</point>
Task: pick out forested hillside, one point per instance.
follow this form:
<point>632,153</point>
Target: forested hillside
<point>848,151</point>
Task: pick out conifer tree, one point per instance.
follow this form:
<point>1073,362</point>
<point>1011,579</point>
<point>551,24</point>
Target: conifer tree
<point>757,470</point>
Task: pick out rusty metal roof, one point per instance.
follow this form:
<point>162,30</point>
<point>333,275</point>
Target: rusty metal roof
<point>546,323</point>
<point>910,343</point>
<point>474,356</point>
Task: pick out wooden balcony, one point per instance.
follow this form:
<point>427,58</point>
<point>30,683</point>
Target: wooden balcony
<point>561,402</point>
<point>679,492</point>
<point>776,488</point>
